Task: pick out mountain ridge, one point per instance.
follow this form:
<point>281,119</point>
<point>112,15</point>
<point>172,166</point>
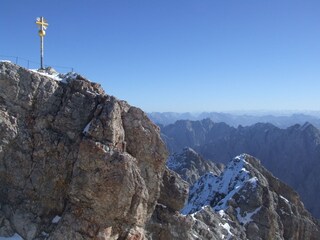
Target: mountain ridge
<point>291,154</point>
<point>245,119</point>
<point>249,198</point>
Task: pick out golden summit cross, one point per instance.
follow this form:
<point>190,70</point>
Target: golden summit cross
<point>42,24</point>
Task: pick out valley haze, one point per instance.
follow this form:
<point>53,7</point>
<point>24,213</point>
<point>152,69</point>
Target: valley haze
<point>281,119</point>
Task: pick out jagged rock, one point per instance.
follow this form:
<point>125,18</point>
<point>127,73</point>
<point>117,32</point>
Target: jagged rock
<point>191,166</point>
<point>174,191</point>
<point>255,204</point>
<point>291,154</point>
<point>75,163</point>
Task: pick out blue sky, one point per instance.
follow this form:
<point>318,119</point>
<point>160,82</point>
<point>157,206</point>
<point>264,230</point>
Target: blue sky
<point>179,55</point>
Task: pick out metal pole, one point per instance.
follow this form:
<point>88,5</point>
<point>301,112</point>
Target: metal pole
<point>41,52</point>
<point>42,26</point>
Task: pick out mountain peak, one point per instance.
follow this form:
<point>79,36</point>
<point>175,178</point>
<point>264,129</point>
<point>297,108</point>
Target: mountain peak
<point>190,165</point>
<point>75,163</point>
<point>246,196</point>
<point>216,191</point>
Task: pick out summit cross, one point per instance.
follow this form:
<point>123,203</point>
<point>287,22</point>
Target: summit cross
<point>42,24</point>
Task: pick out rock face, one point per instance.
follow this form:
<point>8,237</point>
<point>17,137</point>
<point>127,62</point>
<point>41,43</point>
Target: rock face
<point>191,166</point>
<point>252,203</point>
<point>291,154</point>
<point>75,163</point>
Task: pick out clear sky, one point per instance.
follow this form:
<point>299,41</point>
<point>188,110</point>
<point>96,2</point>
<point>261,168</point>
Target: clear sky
<point>179,55</point>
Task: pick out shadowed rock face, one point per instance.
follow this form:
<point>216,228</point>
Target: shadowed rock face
<point>75,163</point>
<point>191,166</point>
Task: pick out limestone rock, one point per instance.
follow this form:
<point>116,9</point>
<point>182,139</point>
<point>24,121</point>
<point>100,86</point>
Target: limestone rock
<point>174,191</point>
<point>75,163</point>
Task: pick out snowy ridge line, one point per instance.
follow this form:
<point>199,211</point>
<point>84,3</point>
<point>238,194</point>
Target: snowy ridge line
<point>216,191</point>
<point>64,78</point>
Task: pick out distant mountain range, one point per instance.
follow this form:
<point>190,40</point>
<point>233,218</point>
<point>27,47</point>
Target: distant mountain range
<point>281,121</point>
<point>291,154</point>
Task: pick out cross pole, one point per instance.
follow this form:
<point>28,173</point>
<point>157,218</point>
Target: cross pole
<point>42,24</point>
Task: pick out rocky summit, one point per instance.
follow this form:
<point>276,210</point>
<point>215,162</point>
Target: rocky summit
<point>76,163</point>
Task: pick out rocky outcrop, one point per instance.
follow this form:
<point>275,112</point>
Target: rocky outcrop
<point>191,166</point>
<point>75,163</point>
<point>244,202</point>
<point>252,202</point>
<point>291,154</point>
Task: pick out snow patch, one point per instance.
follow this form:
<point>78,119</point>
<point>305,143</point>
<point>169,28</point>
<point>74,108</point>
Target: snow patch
<point>222,213</point>
<point>247,217</point>
<point>16,236</point>
<point>5,61</point>
<point>227,227</point>
<point>64,78</point>
<point>86,129</point>
<point>253,181</point>
<point>286,200</point>
<point>56,219</point>
<point>201,194</point>
<point>70,76</point>
<point>92,93</point>
<point>54,76</point>
<point>283,212</point>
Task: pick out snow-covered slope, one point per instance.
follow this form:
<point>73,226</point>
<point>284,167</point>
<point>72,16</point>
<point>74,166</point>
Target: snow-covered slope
<point>250,203</point>
<point>216,191</point>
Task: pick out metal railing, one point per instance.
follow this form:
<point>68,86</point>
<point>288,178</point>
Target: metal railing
<point>32,64</point>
